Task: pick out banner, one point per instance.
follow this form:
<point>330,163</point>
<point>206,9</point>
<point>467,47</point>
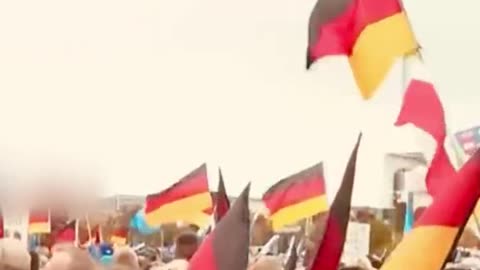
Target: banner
<point>357,244</point>
<point>16,224</point>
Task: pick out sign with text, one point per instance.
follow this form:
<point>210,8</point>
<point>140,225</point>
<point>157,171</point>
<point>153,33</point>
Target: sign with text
<point>358,240</point>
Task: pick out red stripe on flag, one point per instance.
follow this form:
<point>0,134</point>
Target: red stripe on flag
<point>194,183</point>
<point>422,107</point>
<point>204,257</point>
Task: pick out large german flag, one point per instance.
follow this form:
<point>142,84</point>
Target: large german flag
<point>296,197</point>
<point>39,221</point>
<point>227,246</point>
<point>441,224</point>
<point>331,247</point>
<point>188,196</point>
<point>372,33</point>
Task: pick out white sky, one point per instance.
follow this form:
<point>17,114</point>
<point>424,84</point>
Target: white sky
<point>134,94</point>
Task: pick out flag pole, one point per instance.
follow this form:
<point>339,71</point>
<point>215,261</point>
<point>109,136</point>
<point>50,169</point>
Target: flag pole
<point>162,238</point>
<point>76,242</point>
<point>252,225</point>
<point>89,228</point>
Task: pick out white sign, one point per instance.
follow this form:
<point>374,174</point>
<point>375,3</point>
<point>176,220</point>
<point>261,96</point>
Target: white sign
<point>357,244</point>
<point>15,225</point>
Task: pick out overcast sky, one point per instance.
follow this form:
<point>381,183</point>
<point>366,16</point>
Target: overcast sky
<point>134,94</point>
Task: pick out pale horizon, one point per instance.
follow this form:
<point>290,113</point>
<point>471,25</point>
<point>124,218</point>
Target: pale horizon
<point>132,95</point>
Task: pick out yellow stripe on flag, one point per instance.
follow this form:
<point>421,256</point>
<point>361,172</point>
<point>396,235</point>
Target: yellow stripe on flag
<point>43,227</point>
<point>201,219</point>
<point>376,50</point>
<point>182,209</point>
<point>121,241</point>
<point>415,251</point>
<point>291,214</point>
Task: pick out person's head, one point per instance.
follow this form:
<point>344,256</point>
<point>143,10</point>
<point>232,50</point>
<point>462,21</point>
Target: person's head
<point>71,258</point>
<point>125,256</point>
<point>186,245</point>
<point>17,235</point>
<point>42,261</point>
<point>14,255</point>
<point>364,215</point>
<point>143,262</point>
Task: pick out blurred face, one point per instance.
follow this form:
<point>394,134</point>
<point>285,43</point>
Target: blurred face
<point>59,261</point>
<point>363,216</point>
<point>186,251</point>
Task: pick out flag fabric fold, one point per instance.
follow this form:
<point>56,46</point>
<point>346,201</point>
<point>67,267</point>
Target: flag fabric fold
<point>200,219</point>
<point>187,197</point>
<point>441,224</point>
<point>138,223</point>
<point>222,204</point>
<point>227,246</point>
<point>428,119</point>
<point>330,249</point>
<point>67,234</point>
<point>296,197</point>
<point>371,33</point>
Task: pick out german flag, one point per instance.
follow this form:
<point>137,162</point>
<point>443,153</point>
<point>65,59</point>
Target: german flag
<point>296,197</point>
<point>372,33</point>
<point>39,221</point>
<point>330,249</point>
<point>200,219</point>
<point>119,236</point>
<point>222,204</point>
<point>428,120</point>
<point>188,196</point>
<point>441,224</point>
<point>227,246</point>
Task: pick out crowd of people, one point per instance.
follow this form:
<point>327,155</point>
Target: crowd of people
<point>65,256</point>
